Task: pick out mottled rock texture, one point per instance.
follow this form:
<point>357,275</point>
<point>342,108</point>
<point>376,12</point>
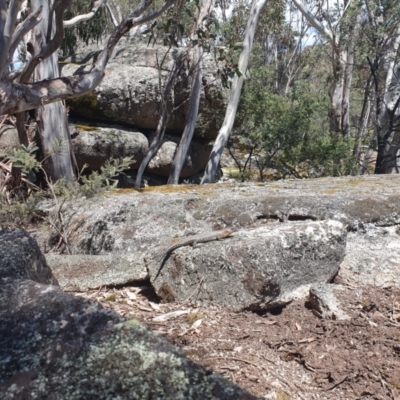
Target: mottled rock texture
<point>195,161</point>
<point>130,92</point>
<point>57,346</point>
<point>94,145</point>
<point>86,271</point>
<point>20,257</point>
<point>258,268</point>
<point>373,256</point>
<point>324,301</point>
<point>136,224</point>
<point>8,138</point>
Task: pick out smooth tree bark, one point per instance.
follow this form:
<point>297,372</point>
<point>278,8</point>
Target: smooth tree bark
<point>52,119</point>
<point>384,93</point>
<point>387,128</point>
<point>224,132</point>
<point>84,17</point>
<point>164,117</point>
<point>22,29</point>
<point>16,97</point>
<point>342,64</point>
<point>115,12</point>
<point>363,158</point>
<point>197,62</point>
<point>8,19</point>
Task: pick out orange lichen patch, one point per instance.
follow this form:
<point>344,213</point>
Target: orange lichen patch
<point>116,192</point>
<point>86,127</point>
<point>202,190</point>
<point>332,191</point>
<point>169,188</point>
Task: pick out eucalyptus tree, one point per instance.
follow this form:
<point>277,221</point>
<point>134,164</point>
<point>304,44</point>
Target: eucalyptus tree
<point>379,51</point>
<point>226,128</point>
<point>280,40</point>
<point>199,28</point>
<point>165,114</point>
<point>339,26</point>
<point>39,84</point>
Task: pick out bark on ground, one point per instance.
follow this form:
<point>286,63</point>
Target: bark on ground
<point>287,353</point>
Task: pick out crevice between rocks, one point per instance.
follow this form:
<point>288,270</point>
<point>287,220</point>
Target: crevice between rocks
<point>290,217</point>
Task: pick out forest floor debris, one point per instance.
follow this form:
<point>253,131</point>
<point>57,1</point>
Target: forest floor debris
<point>287,353</point>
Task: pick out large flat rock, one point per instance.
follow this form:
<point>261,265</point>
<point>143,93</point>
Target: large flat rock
<point>254,269</point>
<point>128,224</point>
<point>82,272</point>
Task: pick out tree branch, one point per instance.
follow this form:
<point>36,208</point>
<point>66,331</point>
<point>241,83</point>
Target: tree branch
<point>23,28</point>
<point>113,17</point>
<point>17,97</point>
<point>313,21</point>
<point>3,18</point>
<point>85,17</point>
<point>134,19</point>
<point>346,8</point>
<point>52,46</point>
<point>226,128</point>
<point>7,26</point>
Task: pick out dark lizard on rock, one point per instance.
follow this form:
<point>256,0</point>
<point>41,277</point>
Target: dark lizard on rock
<point>193,240</point>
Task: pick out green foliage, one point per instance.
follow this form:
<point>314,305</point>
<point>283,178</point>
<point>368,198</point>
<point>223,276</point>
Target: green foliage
<point>231,36</point>
<point>94,183</point>
<point>24,158</point>
<point>175,28</point>
<point>19,213</point>
<point>284,133</point>
<point>106,178</point>
<point>86,31</point>
<point>20,205</point>
<point>94,29</point>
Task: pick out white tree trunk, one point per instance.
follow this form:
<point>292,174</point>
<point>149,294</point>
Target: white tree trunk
<point>187,136</point>
<point>52,119</point>
<point>388,158</point>
<point>164,117</point>
<point>8,19</point>
<point>84,17</point>
<point>342,68</point>
<point>15,97</point>
<point>188,132</point>
<point>224,132</point>
<point>340,91</point>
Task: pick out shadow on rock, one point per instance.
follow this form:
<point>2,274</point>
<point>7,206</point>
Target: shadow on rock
<point>57,346</point>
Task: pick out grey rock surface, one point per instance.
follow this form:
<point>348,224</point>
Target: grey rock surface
<point>94,145</point>
<point>256,269</point>
<point>57,346</point>
<point>82,272</point>
<point>195,161</point>
<point>323,300</point>
<point>20,257</point>
<point>125,223</point>
<point>373,257</point>
<point>130,92</point>
<point>8,138</point>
